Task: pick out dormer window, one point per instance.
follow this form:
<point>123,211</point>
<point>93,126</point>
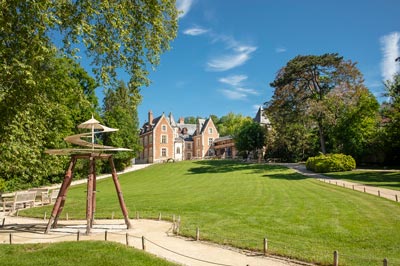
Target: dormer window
<point>210,130</point>
<point>164,128</point>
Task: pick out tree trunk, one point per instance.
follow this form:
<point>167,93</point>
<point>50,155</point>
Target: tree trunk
<point>321,137</point>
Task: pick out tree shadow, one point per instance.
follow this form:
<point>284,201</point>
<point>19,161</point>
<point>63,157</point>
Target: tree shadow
<point>227,166</point>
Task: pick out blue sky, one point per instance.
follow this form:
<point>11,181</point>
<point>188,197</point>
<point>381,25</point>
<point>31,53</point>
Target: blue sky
<point>228,51</point>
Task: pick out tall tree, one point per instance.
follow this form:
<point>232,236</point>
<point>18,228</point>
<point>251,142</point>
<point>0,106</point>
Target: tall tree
<point>120,111</point>
<point>302,87</point>
<point>250,138</point>
<point>229,124</point>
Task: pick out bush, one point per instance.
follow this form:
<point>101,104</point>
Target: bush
<point>331,163</point>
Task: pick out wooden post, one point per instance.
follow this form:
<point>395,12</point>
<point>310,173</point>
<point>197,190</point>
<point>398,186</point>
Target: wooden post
<point>105,235</point>
<point>127,239</point>
<point>379,193</point>
<point>44,216</point>
<point>178,225</point>
<point>385,262</point>
<point>353,187</point>
<point>66,216</point>
<point>119,193</point>
<point>143,244</point>
<point>159,216</point>
<point>137,215</point>
<point>89,196</point>
<point>10,239</point>
<point>78,235</point>
<point>364,190</point>
<point>397,198</point>
<point>61,196</point>
<point>197,234</point>
<point>93,194</point>
<point>17,212</point>
<point>265,246</point>
<point>112,216</point>
<point>4,221</point>
<point>335,258</point>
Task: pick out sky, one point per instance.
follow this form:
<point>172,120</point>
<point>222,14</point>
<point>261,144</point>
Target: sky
<point>227,52</point>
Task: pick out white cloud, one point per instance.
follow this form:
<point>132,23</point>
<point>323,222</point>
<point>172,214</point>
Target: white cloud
<point>195,31</point>
<point>184,6</point>
<point>234,80</point>
<point>390,50</point>
<point>233,94</point>
<point>225,62</point>
<point>247,91</point>
<point>280,50</point>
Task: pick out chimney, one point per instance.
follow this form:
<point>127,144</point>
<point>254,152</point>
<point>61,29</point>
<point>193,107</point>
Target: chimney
<point>150,117</point>
<point>181,120</point>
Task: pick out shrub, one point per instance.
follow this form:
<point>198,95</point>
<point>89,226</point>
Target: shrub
<point>331,163</point>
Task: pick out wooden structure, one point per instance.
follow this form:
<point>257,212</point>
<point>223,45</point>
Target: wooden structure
<point>95,152</point>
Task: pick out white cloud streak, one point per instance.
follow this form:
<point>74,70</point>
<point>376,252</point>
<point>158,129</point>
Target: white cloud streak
<point>184,6</point>
<point>234,80</point>
<point>280,50</point>
<point>195,31</point>
<point>240,55</point>
<point>237,91</point>
<point>390,51</point>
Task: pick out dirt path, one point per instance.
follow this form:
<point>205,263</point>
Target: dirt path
<point>380,192</point>
<point>159,240</point>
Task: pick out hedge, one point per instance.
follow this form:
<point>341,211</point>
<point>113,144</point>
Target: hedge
<point>331,163</point>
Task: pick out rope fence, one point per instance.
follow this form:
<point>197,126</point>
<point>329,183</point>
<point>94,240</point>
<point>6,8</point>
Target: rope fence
<point>363,188</point>
<point>256,247</point>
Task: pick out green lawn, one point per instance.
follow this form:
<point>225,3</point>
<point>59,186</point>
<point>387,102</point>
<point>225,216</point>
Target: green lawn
<point>240,204</point>
<point>88,253</point>
<point>384,179</point>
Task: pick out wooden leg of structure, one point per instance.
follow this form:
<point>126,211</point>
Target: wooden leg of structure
<point>89,200</point>
<point>62,193</point>
<point>119,193</point>
<point>93,194</point>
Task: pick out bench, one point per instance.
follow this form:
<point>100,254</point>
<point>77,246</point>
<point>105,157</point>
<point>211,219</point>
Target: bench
<point>42,194</point>
<point>21,198</point>
<point>51,197</point>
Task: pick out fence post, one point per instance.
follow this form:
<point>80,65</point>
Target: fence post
<point>44,216</point>
<point>143,245</point>
<point>353,187</point>
<point>67,216</point>
<point>78,235</point>
<point>344,185</point>
<point>127,239</point>
<point>397,198</point>
<point>379,193</point>
<point>197,234</point>
<point>4,221</point>
<point>159,216</point>
<point>112,216</point>
<point>335,258</point>
<point>385,262</point>
<point>364,190</point>
<point>265,246</point>
<point>137,215</point>
<point>10,239</point>
<point>178,225</point>
<point>105,235</point>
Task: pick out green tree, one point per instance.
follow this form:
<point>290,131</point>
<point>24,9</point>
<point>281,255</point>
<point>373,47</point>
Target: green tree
<point>302,86</point>
<point>120,111</point>
<point>250,138</point>
<point>229,124</point>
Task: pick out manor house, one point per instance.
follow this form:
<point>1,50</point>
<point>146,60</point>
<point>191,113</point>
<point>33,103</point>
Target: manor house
<point>163,139</point>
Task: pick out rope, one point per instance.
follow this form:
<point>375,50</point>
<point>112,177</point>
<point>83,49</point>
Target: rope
<point>27,237</point>
<point>186,256</point>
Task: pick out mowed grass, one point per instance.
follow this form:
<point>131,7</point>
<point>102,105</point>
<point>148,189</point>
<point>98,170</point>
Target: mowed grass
<point>384,179</point>
<point>240,204</point>
<point>88,253</point>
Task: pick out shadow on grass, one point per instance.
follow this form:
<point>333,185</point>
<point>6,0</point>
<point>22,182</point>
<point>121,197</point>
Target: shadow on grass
<point>375,178</point>
<point>226,166</point>
<point>291,176</point>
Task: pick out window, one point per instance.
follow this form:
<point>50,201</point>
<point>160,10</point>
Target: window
<point>198,142</point>
<point>189,146</point>
<point>210,130</point>
<point>164,152</point>
<point>210,141</point>
<point>178,150</point>
<point>164,128</point>
<point>163,138</point>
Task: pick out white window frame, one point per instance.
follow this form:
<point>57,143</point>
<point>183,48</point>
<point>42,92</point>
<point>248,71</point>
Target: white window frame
<point>164,128</point>
<point>164,137</point>
<point>166,152</point>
